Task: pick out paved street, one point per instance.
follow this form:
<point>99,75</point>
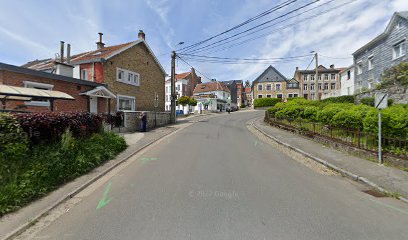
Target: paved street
<point>215,179</point>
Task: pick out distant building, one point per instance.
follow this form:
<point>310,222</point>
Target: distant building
<point>236,88</point>
<point>272,84</point>
<point>327,85</point>
<point>386,50</point>
<point>185,84</point>
<point>347,81</point>
<point>248,96</point>
<point>212,96</point>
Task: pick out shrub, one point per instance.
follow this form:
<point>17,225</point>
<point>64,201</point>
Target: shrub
<point>310,113</point>
<point>394,121</point>
<point>49,126</point>
<point>183,100</point>
<point>369,101</point>
<point>340,99</point>
<point>50,165</point>
<point>266,102</point>
<point>325,116</point>
<point>395,75</point>
<point>290,112</point>
<point>347,119</point>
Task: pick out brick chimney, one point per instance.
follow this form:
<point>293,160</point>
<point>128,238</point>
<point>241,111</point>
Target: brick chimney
<point>141,35</point>
<point>297,69</point>
<point>100,44</point>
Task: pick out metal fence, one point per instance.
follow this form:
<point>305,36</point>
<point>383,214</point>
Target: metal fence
<point>352,137</point>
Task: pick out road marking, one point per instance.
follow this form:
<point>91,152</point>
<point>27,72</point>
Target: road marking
<point>389,206</point>
<point>104,201</point>
<point>146,160</point>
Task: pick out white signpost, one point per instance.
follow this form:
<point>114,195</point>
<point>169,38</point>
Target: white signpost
<point>381,102</point>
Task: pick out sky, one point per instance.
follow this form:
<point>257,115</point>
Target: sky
<point>32,30</point>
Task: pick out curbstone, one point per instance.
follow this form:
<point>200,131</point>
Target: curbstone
<point>343,172</point>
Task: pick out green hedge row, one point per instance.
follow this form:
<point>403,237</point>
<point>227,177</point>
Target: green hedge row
<point>27,173</point>
<point>266,102</point>
<point>346,115</point>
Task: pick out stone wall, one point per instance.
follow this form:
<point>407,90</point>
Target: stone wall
<point>132,121</point>
<point>397,93</point>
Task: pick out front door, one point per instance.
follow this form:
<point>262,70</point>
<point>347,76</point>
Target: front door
<point>93,104</point>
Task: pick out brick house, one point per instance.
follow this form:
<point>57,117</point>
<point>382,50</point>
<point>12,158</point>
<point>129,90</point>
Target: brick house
<point>272,84</point>
<point>185,84</point>
<point>81,90</point>
<point>130,70</point>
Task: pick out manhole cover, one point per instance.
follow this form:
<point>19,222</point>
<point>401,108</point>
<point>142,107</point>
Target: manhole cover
<point>375,193</point>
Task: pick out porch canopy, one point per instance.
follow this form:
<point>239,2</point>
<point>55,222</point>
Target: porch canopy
<point>26,94</point>
<point>100,91</point>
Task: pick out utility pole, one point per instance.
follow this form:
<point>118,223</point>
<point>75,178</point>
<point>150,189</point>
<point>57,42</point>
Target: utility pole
<point>173,87</point>
<point>317,96</point>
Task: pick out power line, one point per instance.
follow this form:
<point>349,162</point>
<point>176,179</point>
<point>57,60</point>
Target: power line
<point>255,27</point>
<point>310,62</point>
<point>207,47</point>
<point>193,67</point>
<point>284,27</point>
<point>243,59</point>
<point>273,9</point>
<point>334,57</point>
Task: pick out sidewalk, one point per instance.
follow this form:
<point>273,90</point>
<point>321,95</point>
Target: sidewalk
<point>23,217</point>
<point>390,179</point>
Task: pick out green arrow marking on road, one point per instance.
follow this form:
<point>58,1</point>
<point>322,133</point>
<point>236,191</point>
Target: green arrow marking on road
<point>104,201</point>
<point>146,160</point>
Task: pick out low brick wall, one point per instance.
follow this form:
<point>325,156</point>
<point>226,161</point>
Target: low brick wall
<point>132,121</point>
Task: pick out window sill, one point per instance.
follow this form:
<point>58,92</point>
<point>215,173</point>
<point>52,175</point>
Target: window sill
<point>397,58</point>
<point>132,84</point>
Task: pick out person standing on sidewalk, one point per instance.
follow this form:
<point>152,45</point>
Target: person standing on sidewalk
<point>143,122</point>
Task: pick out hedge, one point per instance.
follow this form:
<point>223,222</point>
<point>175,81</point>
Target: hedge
<point>340,99</point>
<point>266,102</point>
<point>370,101</point>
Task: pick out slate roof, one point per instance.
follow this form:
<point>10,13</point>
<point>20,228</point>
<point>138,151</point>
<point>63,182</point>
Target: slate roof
<point>403,14</point>
<point>210,87</point>
<point>321,69</point>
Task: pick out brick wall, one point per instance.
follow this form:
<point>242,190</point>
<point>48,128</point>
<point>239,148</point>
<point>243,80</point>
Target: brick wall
<point>79,104</point>
<point>137,59</point>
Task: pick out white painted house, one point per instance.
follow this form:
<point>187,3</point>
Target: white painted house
<point>212,96</point>
<point>347,81</point>
<point>180,90</point>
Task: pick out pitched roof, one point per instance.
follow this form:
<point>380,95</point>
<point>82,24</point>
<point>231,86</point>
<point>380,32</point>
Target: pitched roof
<point>210,87</point>
<point>98,55</point>
<point>387,31</point>
<point>270,70</point>
<point>182,75</point>
<point>321,69</point>
<point>27,71</point>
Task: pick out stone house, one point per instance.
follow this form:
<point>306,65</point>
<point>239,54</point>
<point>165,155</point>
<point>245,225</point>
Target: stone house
<point>272,84</point>
<point>383,52</point>
<point>130,70</point>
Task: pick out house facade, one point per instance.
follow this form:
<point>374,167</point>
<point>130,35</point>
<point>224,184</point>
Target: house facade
<point>386,50</point>
<point>131,70</point>
<point>347,81</point>
<point>212,96</point>
<point>248,96</point>
<point>327,84</point>
<point>236,88</point>
<point>272,84</point>
<point>82,91</point>
<point>185,84</point>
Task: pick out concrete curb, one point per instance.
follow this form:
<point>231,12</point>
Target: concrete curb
<point>343,172</point>
<point>32,221</point>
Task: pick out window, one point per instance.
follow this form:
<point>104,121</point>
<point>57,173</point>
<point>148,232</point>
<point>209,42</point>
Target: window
<point>260,96</point>
<point>42,86</point>
<point>312,96</point>
<point>278,87</point>
<point>319,86</point>
<point>312,87</point>
<point>305,77</point>
<point>348,75</point>
<point>319,77</point>
<point>333,86</point>
<point>84,74</point>
<point>126,103</point>
<point>292,85</point>
<point>260,87</point>
<point>333,76</point>
<point>359,68</point>
<point>292,95</point>
<point>398,50</point>
<point>326,76</point>
<point>268,96</point>
<point>370,62</point>
<point>269,87</point>
<point>312,77</point>
<point>128,77</point>
<point>279,96</point>
<point>304,86</point>
<point>326,86</point>
<point>399,25</point>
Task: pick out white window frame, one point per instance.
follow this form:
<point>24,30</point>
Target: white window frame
<point>260,87</point>
<point>125,97</point>
<point>29,84</point>
<point>270,87</point>
<point>84,74</point>
<point>126,75</point>
<point>359,68</point>
<point>326,76</point>
<point>370,62</point>
<point>312,77</point>
<point>268,96</point>
<point>402,50</point>
<point>278,87</point>
<point>305,87</point>
<point>260,96</point>
<point>305,77</point>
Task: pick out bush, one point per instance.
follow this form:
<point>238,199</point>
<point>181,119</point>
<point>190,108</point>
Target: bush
<point>347,119</point>
<point>49,126</point>
<point>266,102</point>
<point>395,75</point>
<point>290,112</point>
<point>340,99</point>
<point>369,101</point>
<point>325,116</point>
<point>310,113</point>
<point>394,121</point>
<point>49,165</point>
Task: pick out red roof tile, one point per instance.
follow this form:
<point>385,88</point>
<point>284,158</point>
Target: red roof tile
<point>210,87</point>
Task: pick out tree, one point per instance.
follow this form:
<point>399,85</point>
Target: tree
<point>247,84</point>
<point>193,102</point>
<point>395,75</point>
<point>183,100</point>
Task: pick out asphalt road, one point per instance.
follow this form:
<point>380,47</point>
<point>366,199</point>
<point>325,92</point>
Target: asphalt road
<point>216,180</point>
